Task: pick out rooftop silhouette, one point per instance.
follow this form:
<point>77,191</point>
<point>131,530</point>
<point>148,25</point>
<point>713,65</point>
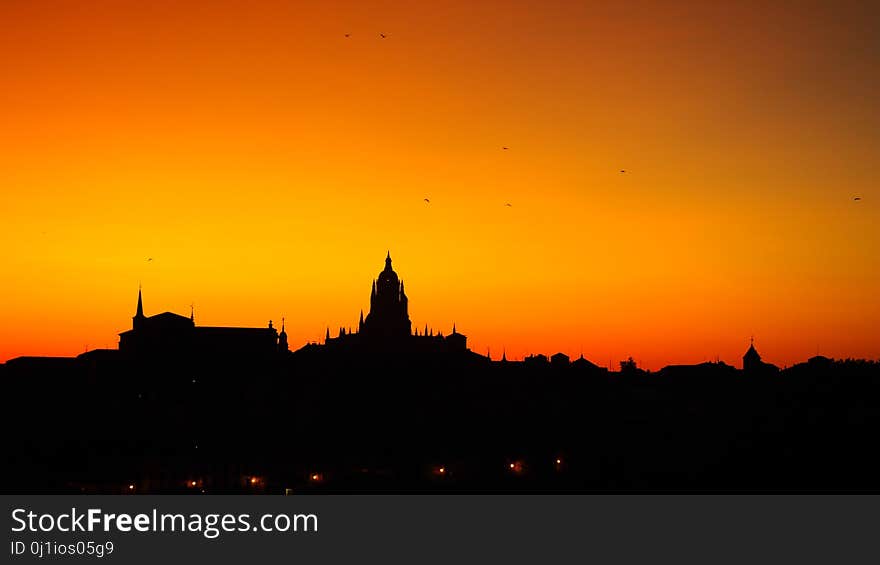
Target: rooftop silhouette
<point>384,407</point>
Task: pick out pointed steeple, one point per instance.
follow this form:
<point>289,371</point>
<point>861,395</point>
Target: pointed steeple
<point>327,335</point>
<point>504,355</point>
<point>453,327</point>
<point>361,322</point>
<point>388,261</point>
<point>138,320</point>
<point>140,307</point>
<point>282,338</point>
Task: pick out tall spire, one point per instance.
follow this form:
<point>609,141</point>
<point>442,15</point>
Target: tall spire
<point>361,322</point>
<point>282,338</point>
<point>140,307</point>
<point>388,261</point>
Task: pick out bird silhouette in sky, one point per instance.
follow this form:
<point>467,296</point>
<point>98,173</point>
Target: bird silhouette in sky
<point>857,198</point>
<point>347,35</point>
<point>428,201</point>
<point>150,259</point>
<point>382,35</point>
<point>509,205</point>
<point>505,148</point>
<point>622,170</point>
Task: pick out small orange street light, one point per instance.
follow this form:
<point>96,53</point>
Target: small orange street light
<point>253,480</point>
<point>130,487</point>
<point>516,467</point>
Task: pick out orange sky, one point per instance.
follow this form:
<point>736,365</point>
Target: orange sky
<point>266,163</point>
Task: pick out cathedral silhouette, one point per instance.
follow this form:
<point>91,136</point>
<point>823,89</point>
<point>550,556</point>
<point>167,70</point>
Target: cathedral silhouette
<point>387,325</point>
<point>180,407</point>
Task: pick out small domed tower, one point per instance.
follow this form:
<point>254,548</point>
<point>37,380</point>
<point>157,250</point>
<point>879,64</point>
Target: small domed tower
<point>752,360</point>
<point>282,339</point>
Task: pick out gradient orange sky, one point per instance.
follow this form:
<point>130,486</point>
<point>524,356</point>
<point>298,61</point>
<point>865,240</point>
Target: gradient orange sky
<point>266,163</point>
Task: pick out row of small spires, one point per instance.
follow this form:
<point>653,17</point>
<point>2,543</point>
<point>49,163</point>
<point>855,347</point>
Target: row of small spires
<point>343,332</point>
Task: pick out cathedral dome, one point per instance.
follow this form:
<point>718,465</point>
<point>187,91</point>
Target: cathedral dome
<point>388,278</point>
<point>388,315</point>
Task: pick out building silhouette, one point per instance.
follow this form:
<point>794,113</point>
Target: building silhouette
<point>388,326</point>
<point>752,362</point>
<point>169,334</point>
<point>388,317</point>
<point>180,407</point>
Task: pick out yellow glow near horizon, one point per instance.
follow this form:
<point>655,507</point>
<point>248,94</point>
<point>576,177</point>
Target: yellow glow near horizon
<point>266,163</point>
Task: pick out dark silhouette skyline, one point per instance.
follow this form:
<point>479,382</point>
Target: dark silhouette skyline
<point>180,407</point>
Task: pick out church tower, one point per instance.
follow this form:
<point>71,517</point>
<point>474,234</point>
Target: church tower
<point>388,317</point>
<point>138,319</point>
<point>752,360</point>
<point>282,339</point>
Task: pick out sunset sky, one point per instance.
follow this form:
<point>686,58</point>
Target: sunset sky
<point>266,163</point>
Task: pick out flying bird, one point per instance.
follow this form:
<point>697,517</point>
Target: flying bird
<point>857,198</point>
<point>382,35</point>
<point>505,148</point>
<point>622,170</point>
<point>428,201</point>
<point>150,259</point>
<point>347,35</point>
<point>509,205</point>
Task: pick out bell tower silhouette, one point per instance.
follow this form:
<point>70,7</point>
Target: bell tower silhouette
<point>138,318</point>
<point>389,307</point>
